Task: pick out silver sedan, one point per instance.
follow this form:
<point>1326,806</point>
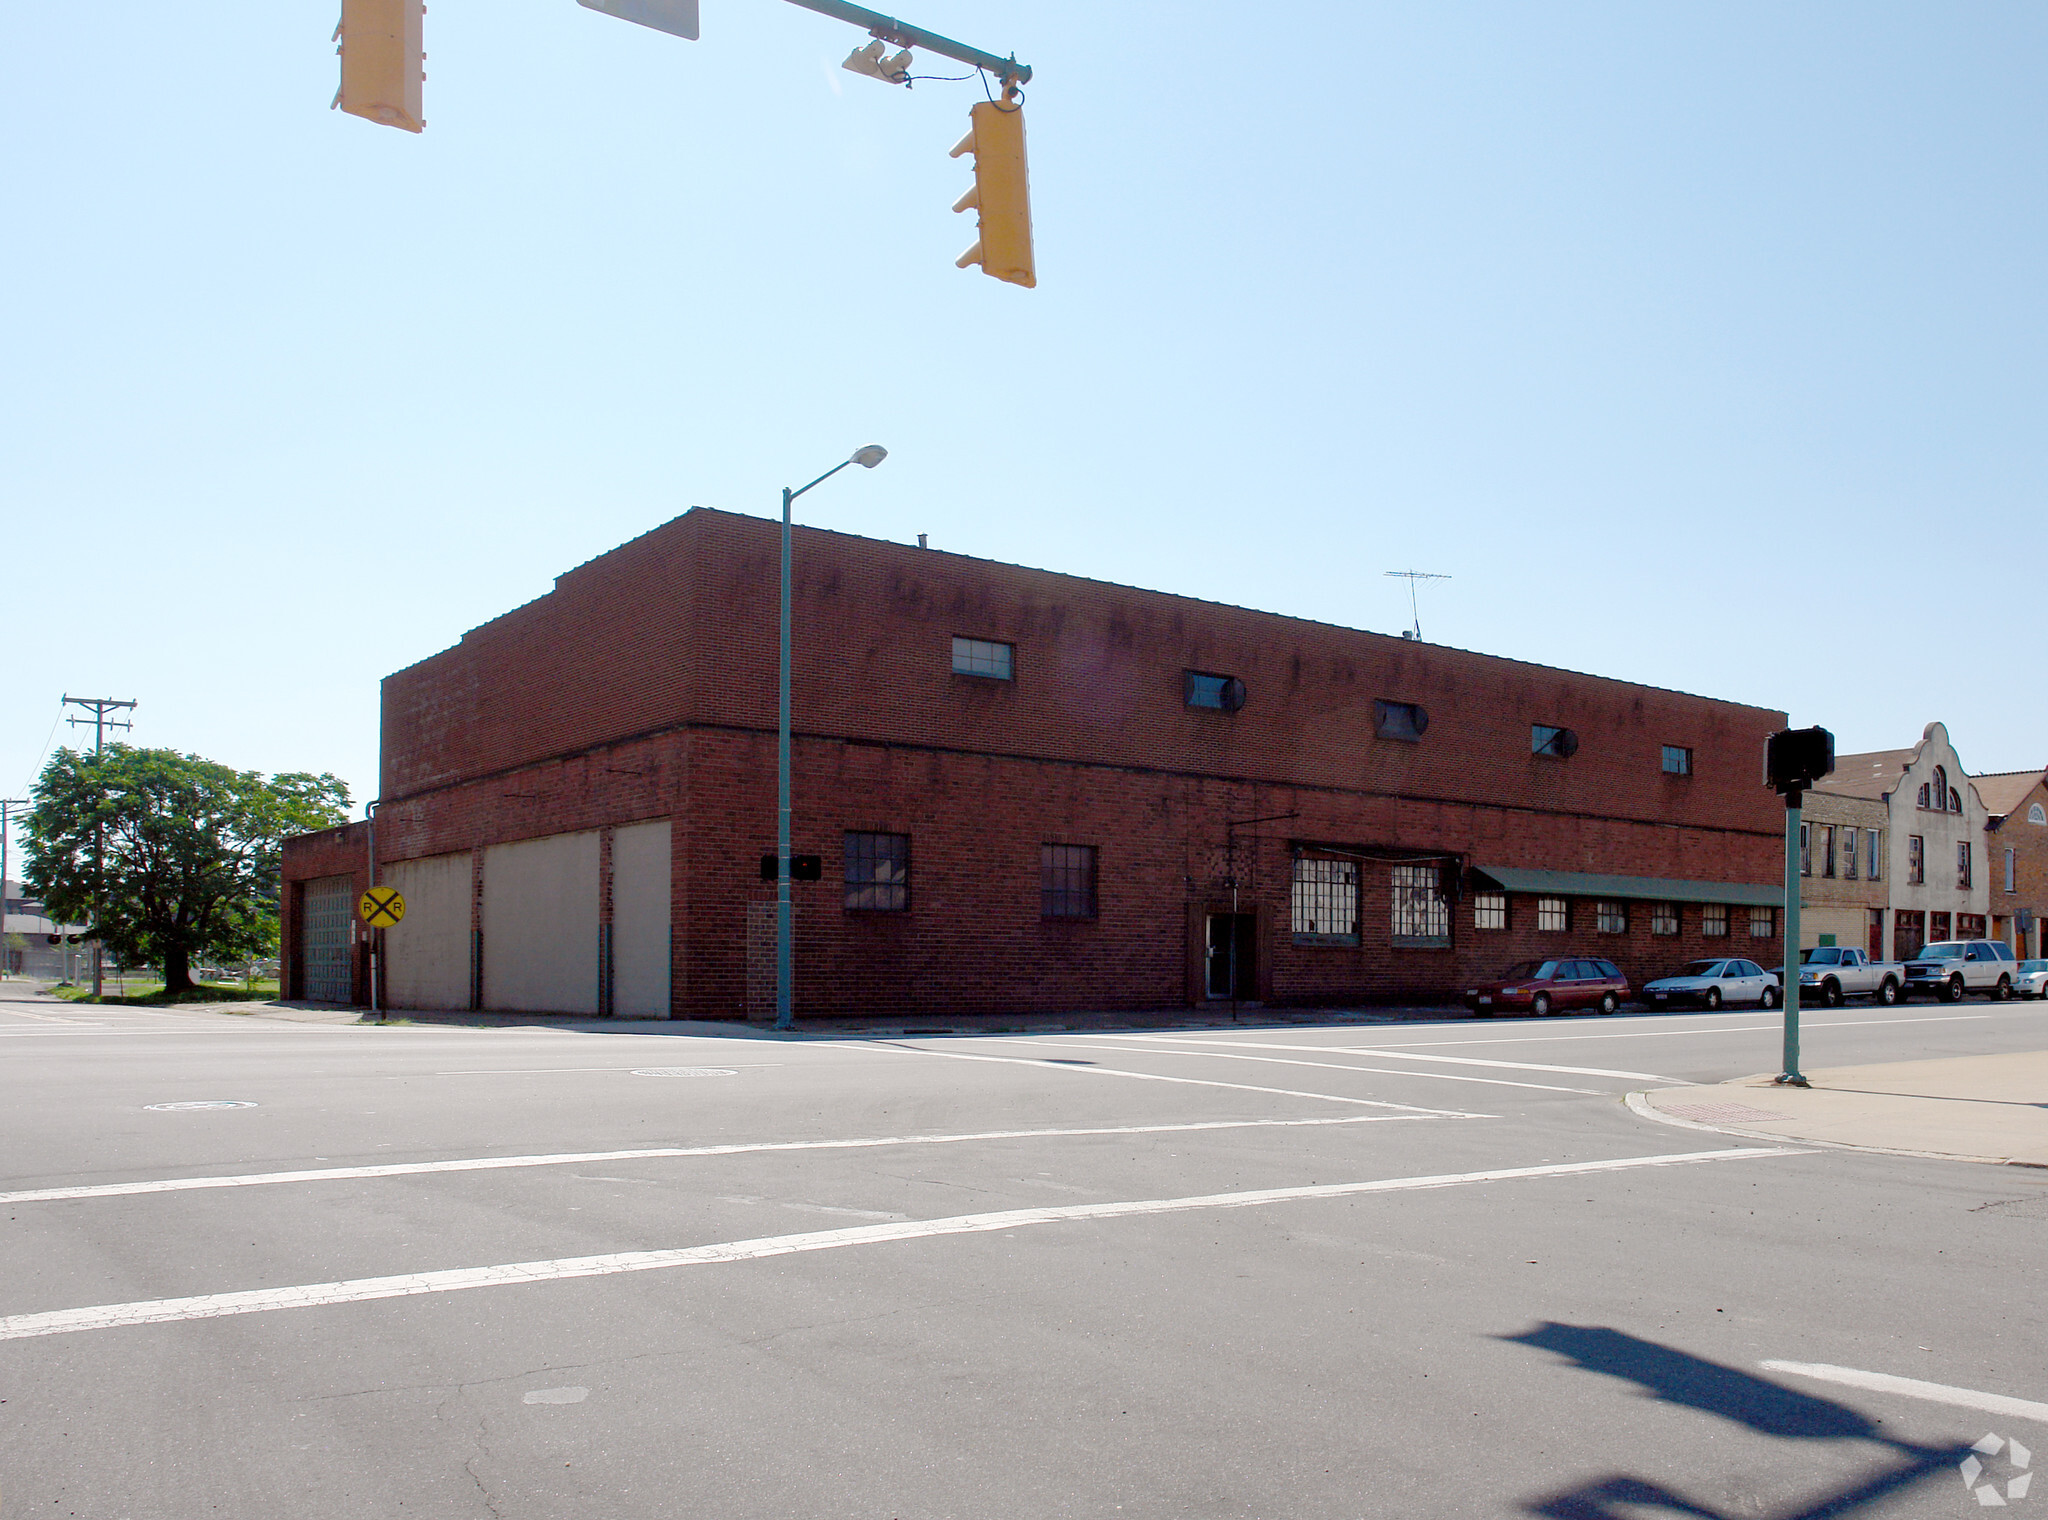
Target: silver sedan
<point>2030,979</point>
<point>1713,983</point>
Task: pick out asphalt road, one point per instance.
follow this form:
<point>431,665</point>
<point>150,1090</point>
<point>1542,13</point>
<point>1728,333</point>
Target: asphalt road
<point>1391,1270</point>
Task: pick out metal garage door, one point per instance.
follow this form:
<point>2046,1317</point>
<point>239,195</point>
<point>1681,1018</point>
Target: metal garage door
<point>640,921</point>
<point>426,957</point>
<point>540,925</point>
<point>330,914</point>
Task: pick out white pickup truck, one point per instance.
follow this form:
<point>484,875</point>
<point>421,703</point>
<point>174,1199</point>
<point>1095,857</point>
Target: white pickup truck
<point>1830,973</point>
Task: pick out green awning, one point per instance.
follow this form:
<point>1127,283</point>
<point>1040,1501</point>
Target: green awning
<point>1636,888</point>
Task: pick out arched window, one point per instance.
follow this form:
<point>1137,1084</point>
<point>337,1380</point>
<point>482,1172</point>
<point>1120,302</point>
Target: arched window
<point>2037,814</point>
<point>1940,788</point>
<point>1923,794</point>
<point>1955,800</point>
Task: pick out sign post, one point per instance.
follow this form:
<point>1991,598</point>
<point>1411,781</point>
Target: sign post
<point>1794,759</point>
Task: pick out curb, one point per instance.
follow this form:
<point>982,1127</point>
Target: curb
<point>1639,1103</point>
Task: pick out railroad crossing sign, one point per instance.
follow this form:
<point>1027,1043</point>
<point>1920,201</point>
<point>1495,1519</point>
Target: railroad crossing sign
<point>381,907</point>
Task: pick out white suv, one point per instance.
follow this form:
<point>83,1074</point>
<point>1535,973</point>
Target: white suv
<point>1951,967</point>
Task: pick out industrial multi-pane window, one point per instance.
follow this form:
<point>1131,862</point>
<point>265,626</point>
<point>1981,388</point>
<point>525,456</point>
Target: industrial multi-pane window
<point>1611,917</point>
<point>981,657</point>
<point>1547,739</point>
<point>1490,910</point>
<point>1066,881</point>
<point>1763,923</point>
<point>1713,920</point>
<point>1677,760</point>
<point>1664,918</point>
<point>1422,916</point>
<point>1553,915</point>
<point>878,872</point>
<point>1325,902</point>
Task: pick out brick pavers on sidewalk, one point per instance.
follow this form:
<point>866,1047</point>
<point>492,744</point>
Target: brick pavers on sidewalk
<point>1971,1108</point>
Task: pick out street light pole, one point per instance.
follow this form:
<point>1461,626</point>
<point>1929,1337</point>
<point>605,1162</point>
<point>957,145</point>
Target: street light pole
<point>785,1010</point>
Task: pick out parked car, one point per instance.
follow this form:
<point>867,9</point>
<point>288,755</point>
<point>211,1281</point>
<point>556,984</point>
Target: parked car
<point>1550,986</point>
<point>1828,974</point>
<point>1951,967</point>
<point>1714,983</point>
<point>2030,978</point>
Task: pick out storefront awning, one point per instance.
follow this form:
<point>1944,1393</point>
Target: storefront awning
<point>1635,888</point>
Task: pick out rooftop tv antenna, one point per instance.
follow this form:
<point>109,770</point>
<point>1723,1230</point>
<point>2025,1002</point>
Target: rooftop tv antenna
<point>1411,577</point>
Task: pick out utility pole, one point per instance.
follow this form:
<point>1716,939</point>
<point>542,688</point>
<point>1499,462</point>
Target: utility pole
<point>1411,577</point>
<point>99,707</point>
<point>7,805</point>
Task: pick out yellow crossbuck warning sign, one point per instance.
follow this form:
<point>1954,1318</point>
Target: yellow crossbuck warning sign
<point>381,907</point>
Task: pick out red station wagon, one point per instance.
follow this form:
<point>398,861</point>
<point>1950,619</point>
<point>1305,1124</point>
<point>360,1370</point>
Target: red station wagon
<point>1551,986</point>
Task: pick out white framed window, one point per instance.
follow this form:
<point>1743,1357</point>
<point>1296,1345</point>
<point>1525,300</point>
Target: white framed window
<point>984,657</point>
<point>1851,852</point>
<point>1664,918</point>
<point>1553,915</point>
<point>1763,923</point>
<point>1325,906</point>
<point>1714,920</point>
<point>1874,861</point>
<point>1490,910</point>
<point>1422,916</point>
<point>1611,917</point>
<point>2037,814</point>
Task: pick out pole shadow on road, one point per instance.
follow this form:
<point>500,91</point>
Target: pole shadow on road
<point>1677,1377</point>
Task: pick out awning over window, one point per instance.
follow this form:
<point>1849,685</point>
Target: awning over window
<point>1636,888</point>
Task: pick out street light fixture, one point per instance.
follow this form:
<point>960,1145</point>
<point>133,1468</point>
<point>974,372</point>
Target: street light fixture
<point>785,1013</point>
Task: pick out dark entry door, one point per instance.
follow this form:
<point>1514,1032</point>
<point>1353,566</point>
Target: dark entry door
<point>1231,965</point>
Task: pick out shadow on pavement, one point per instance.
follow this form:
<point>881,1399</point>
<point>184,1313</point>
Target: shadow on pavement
<point>1679,1378</point>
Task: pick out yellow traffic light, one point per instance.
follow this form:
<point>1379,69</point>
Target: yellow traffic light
<point>383,67</point>
<point>1001,193</point>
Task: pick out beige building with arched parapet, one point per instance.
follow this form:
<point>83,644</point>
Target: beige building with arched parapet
<point>1934,876</point>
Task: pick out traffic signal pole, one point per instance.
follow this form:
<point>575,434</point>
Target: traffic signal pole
<point>1790,1076</point>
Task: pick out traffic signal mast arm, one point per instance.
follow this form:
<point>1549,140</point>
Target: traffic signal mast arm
<point>889,29</point>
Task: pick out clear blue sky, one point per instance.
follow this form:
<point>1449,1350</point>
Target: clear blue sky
<point>1702,345</point>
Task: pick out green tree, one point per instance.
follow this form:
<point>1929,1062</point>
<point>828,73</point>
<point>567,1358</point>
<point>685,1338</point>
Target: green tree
<point>172,857</point>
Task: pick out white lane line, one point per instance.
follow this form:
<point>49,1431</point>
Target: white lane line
<point>549,1071</point>
<point>580,1158</point>
<point>359,1290</point>
<point>1395,1055</point>
<point>1151,1076</point>
<point>1377,1071</point>
<point>1618,1034</point>
<point>1913,1388</point>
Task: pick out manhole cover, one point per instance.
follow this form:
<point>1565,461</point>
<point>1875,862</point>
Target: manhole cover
<point>685,1071</point>
<point>1723,1113</point>
<point>186,1108</point>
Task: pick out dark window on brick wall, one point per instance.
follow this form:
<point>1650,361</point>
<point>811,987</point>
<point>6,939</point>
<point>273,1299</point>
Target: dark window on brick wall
<point>1489,910</point>
<point>1553,915</point>
<point>981,657</point>
<point>1204,688</point>
<point>1399,720</point>
<point>1066,881</point>
<point>1325,902</point>
<point>1558,743</point>
<point>1677,760</point>
<point>1763,923</point>
<point>878,872</point>
<point>1611,917</point>
<point>1664,918</point>
<point>1714,920</point>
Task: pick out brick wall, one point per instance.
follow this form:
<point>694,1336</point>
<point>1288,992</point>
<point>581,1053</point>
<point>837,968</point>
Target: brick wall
<point>643,687</point>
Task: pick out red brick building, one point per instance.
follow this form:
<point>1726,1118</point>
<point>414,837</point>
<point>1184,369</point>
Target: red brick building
<point>1029,791</point>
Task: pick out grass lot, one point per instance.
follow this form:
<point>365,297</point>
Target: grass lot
<point>151,994</point>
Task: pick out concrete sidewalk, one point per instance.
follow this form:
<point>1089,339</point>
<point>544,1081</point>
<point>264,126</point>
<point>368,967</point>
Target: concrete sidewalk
<point>1966,1108</point>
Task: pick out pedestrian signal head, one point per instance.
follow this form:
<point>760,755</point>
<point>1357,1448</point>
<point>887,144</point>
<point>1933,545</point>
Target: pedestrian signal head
<point>1001,193</point>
